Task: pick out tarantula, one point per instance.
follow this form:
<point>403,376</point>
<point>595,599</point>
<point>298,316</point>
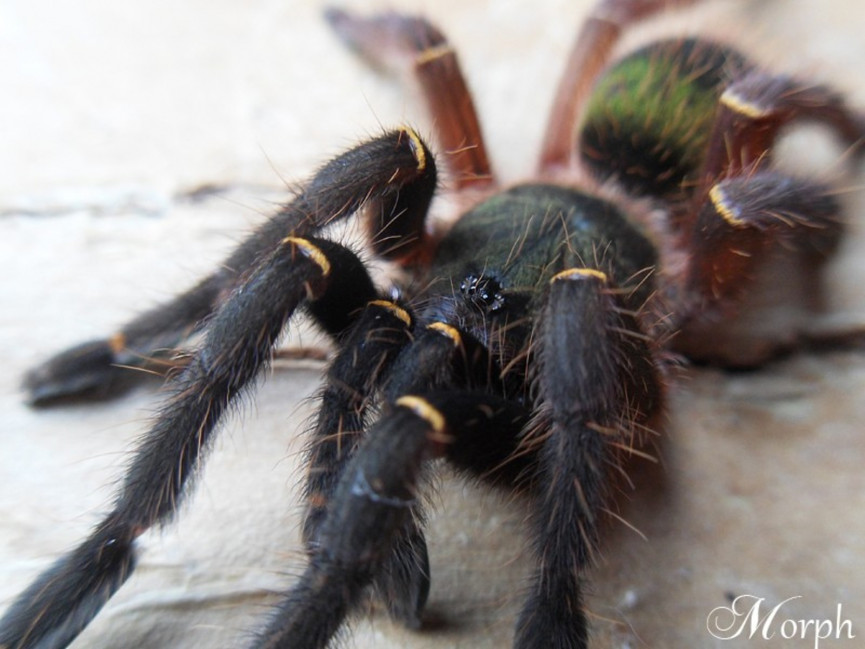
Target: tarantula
<point>526,345</point>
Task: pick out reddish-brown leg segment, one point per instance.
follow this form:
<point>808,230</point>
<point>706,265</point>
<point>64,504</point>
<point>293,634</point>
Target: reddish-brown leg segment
<point>588,57</point>
<point>754,109</point>
<point>742,217</point>
<point>413,46</point>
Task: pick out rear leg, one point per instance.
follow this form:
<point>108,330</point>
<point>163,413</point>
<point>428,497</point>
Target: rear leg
<point>411,45</point>
<point>756,251</point>
<point>589,55</point>
<point>753,110</point>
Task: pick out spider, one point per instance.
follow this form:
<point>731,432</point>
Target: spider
<point>464,363</point>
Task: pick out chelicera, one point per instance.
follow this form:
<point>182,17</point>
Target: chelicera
<point>525,345</point>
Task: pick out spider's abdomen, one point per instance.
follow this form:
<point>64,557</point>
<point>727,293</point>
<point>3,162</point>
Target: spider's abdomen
<point>650,116</point>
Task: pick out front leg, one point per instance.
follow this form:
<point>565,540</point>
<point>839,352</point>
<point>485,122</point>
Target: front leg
<point>393,175</point>
<point>237,345</point>
<point>63,600</point>
<point>599,388</point>
<point>374,503</point>
<point>377,357</point>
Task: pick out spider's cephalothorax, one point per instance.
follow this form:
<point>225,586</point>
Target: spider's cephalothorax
<point>526,345</point>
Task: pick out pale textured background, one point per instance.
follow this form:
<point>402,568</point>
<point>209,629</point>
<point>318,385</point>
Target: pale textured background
<point>111,111</point>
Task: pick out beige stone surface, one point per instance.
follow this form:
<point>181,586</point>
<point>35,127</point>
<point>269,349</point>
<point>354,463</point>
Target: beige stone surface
<point>112,112</point>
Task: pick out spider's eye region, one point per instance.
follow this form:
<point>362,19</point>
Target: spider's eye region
<point>484,291</point>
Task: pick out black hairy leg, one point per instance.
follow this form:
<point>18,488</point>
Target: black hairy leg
<point>438,356</point>
<point>353,380</point>
<point>233,353</point>
<point>374,173</point>
<point>374,503</point>
<point>594,411</point>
